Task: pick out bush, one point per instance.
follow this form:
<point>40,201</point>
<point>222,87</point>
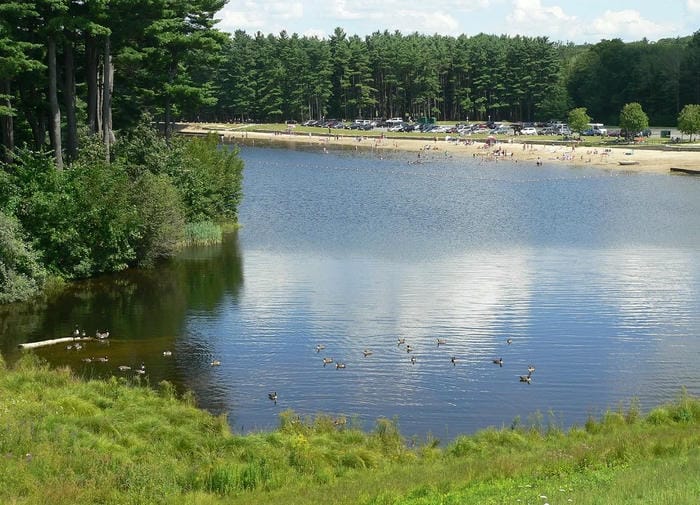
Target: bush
<point>21,274</point>
<point>210,181</point>
<point>161,219</point>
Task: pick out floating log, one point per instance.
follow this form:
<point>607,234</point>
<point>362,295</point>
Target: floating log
<point>691,171</point>
<point>53,341</point>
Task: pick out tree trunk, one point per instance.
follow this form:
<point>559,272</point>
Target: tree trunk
<point>55,116</point>
<point>69,101</point>
<point>107,99</point>
<point>92,57</point>
<point>8,135</point>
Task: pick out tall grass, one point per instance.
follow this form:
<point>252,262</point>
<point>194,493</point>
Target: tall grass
<point>203,233</point>
<point>67,441</point>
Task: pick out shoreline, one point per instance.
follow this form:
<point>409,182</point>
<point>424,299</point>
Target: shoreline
<point>627,158</point>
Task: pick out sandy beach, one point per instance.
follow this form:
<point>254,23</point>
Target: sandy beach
<point>515,150</point>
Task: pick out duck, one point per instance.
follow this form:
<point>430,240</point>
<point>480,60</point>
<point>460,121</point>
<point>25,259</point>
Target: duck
<point>339,365</point>
<point>509,341</point>
<point>215,362</point>
<point>367,352</point>
<point>525,378</point>
<point>454,360</point>
<point>498,361</point>
<point>320,347</point>
<point>327,361</point>
<point>441,341</point>
<point>273,396</point>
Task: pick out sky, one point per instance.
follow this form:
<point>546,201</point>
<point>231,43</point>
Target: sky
<point>587,21</point>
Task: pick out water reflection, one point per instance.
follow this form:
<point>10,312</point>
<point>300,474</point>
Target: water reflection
<point>146,312</point>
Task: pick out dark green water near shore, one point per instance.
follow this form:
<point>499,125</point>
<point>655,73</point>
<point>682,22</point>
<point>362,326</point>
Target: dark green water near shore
<point>594,275</point>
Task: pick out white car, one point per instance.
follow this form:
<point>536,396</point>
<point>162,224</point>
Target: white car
<point>529,130</point>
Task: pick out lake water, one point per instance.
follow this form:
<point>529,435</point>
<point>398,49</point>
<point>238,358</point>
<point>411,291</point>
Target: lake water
<point>593,274</point>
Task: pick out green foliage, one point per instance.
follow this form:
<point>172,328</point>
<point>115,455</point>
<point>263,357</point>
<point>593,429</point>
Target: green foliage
<point>633,119</point>
<point>210,180</point>
<point>578,119</point>
<point>21,273</point>
<point>160,217</point>
<point>689,120</point>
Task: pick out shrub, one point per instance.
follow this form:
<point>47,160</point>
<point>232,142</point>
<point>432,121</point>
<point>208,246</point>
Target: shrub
<point>21,274</point>
<point>161,220</point>
<point>210,180</point>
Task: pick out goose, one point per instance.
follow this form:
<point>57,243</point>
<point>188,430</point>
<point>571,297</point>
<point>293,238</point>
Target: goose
<point>215,362</point>
<point>141,370</point>
<point>326,361</point>
<point>509,341</point>
<point>103,359</point>
<point>339,365</point>
<point>124,368</point>
<point>167,353</point>
<point>401,341</point>
<point>413,360</point>
<point>409,348</point>
<point>498,361</point>
<point>320,347</point>
<point>273,396</point>
<point>441,341</point>
<point>87,360</point>
<point>76,332</point>
<point>101,335</point>
<point>367,352</point>
<point>454,360</point>
<point>530,369</point>
<point>525,378</point>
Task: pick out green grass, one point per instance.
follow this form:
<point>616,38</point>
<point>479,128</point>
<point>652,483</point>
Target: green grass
<point>203,233</point>
<point>71,441</point>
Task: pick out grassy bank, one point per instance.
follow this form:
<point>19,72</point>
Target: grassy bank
<point>69,441</point>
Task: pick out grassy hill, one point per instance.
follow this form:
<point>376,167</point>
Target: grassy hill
<point>69,441</point>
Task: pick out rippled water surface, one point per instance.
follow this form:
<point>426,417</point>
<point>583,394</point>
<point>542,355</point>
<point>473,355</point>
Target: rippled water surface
<point>593,274</point>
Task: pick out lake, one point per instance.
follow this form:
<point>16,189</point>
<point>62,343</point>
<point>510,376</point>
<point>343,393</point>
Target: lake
<point>593,275</point>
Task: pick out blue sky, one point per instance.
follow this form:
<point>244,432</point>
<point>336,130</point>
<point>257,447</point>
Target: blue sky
<point>575,21</point>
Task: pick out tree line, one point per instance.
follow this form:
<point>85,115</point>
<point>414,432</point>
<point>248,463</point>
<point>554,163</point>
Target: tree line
<point>273,78</point>
<point>101,64</point>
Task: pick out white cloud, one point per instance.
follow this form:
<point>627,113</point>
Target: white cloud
<point>627,25</point>
<point>530,17</point>
<point>269,17</point>
<point>693,5</point>
<point>315,32</point>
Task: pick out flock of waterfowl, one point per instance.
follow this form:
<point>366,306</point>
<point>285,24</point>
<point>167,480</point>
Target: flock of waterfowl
<point>327,360</point>
<point>81,337</point>
<point>440,341</point>
<point>102,336</point>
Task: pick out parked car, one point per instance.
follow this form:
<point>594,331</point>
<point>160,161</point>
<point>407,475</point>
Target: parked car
<point>503,130</point>
<point>528,130</point>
